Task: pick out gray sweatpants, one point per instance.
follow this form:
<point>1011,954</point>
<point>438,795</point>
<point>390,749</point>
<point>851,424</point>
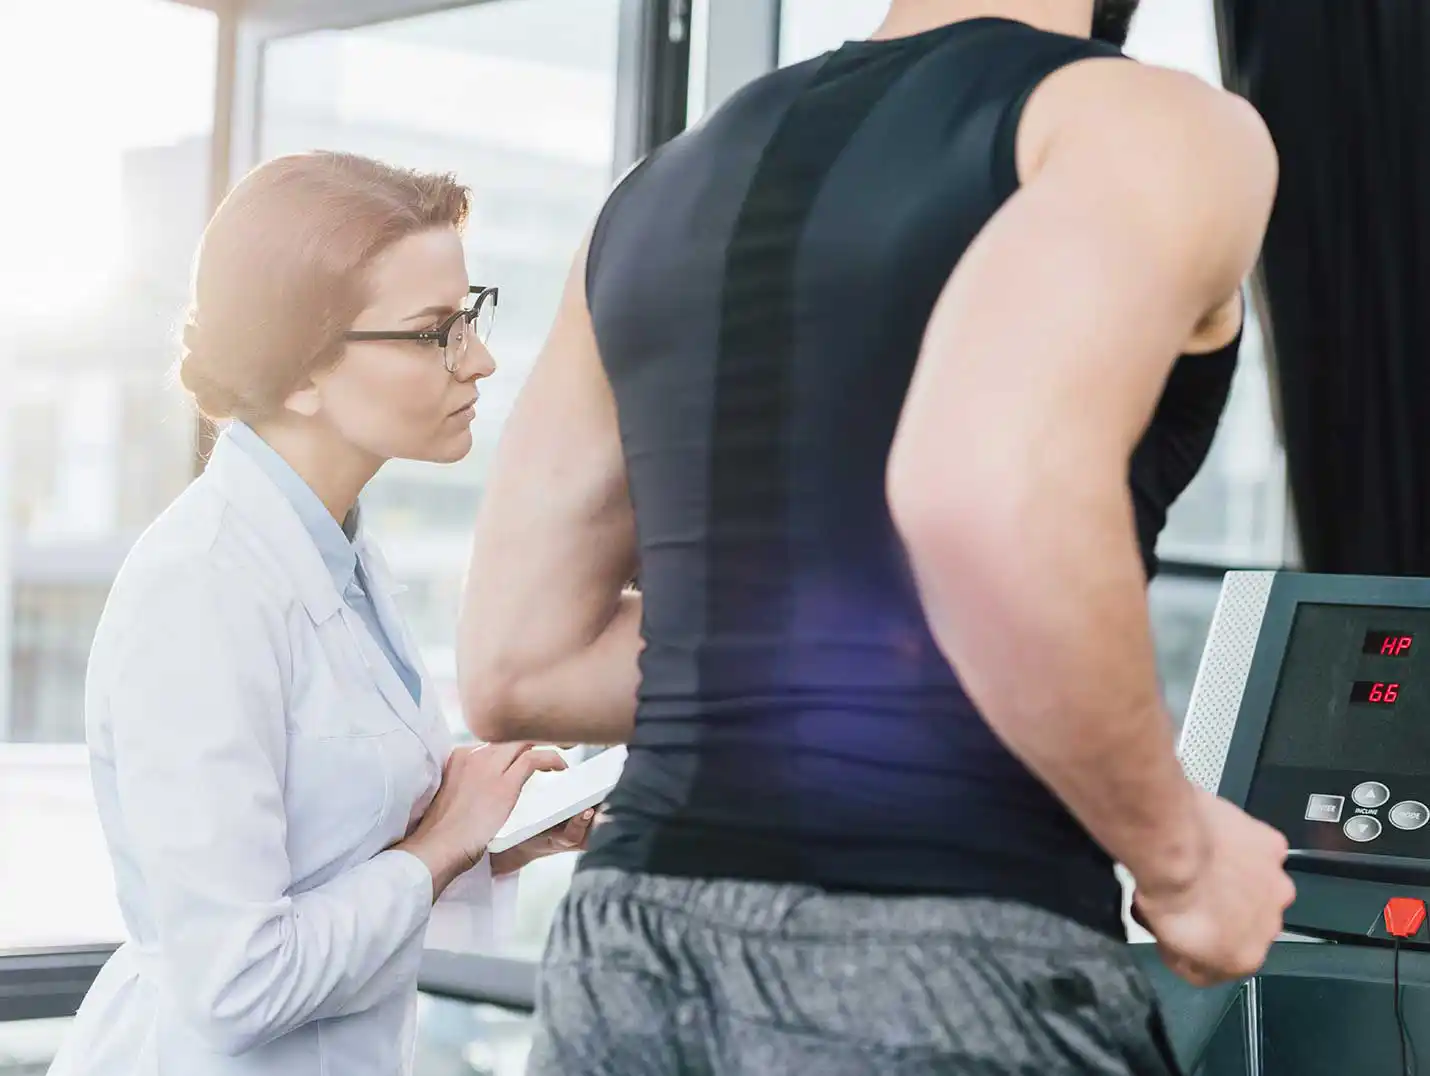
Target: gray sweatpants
<point>655,976</point>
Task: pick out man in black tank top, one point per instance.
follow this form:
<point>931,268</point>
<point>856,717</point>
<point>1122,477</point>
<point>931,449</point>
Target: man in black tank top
<point>871,377</point>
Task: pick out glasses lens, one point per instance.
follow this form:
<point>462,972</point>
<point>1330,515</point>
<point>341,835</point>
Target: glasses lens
<point>458,336</point>
<point>486,316</point>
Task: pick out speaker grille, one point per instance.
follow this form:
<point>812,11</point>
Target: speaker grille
<point>1221,677</point>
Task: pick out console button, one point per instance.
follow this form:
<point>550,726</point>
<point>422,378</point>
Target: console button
<point>1370,794</point>
<point>1409,814</point>
<point>1362,828</point>
<point>1321,808</point>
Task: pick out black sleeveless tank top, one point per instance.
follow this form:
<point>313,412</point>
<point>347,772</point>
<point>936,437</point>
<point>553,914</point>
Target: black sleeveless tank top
<point>759,289</point>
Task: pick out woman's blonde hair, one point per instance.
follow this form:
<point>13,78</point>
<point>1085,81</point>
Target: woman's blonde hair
<point>281,271</point>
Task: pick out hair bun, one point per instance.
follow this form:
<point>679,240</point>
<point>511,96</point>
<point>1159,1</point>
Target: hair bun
<point>212,398</point>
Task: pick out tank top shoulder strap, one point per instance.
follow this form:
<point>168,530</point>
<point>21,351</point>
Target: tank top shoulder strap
<point>1208,374</point>
<point>618,192</point>
<point>1051,53</point>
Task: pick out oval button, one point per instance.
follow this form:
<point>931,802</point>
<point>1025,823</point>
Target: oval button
<point>1362,828</point>
<point>1370,794</point>
<point>1409,814</point>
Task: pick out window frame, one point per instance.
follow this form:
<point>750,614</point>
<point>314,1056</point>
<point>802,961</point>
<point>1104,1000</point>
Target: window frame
<point>46,984</point>
<point>653,61</point>
<point>50,983</point>
<point>737,43</point>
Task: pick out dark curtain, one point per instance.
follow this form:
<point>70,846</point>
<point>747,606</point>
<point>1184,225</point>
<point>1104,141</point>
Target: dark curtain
<point>1344,86</point>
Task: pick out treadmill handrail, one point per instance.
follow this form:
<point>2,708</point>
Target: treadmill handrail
<point>1362,865</point>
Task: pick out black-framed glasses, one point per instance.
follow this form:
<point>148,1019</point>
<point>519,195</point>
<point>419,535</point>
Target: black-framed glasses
<point>455,334</point>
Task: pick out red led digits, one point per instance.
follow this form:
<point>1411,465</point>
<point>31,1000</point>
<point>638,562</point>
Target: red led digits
<point>1395,645</point>
<point>1383,644</point>
<point>1388,644</point>
<point>1376,692</point>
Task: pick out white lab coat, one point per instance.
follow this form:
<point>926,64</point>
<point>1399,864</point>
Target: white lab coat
<point>253,754</point>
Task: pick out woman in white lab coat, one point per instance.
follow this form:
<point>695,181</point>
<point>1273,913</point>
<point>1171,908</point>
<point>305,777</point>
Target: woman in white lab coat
<point>278,791</point>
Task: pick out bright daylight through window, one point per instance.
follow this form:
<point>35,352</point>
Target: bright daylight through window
<point>96,439</point>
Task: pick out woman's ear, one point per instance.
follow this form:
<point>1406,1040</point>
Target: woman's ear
<point>305,400</point>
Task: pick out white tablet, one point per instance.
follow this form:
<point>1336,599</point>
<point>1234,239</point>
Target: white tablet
<point>550,798</point>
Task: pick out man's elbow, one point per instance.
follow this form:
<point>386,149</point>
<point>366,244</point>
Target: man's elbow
<point>487,705</point>
<point>949,517</point>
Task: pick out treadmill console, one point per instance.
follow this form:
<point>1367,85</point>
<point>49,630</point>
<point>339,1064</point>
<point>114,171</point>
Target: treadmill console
<point>1312,710</point>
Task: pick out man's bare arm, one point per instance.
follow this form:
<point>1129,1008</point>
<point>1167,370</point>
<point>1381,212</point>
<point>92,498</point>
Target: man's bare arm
<point>548,637</point>
<point>1144,201</point>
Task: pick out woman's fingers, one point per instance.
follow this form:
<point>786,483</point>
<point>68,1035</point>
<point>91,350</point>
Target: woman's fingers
<point>533,761</point>
<point>577,829</point>
<point>456,757</point>
<point>570,835</point>
<point>506,754</point>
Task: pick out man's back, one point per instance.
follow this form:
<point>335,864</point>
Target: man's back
<point>759,290</point>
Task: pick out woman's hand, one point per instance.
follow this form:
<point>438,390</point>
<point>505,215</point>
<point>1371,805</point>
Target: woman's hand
<point>480,786</point>
<point>568,836</point>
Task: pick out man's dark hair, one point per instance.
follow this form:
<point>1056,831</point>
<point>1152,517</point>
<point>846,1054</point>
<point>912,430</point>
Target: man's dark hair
<point>1112,20</point>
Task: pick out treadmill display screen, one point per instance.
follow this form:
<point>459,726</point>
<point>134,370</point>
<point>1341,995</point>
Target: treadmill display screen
<point>1352,694</point>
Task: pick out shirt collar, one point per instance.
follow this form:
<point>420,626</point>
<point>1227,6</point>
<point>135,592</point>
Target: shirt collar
<point>335,543</point>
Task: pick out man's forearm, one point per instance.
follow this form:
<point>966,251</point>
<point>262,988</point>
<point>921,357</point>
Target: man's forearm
<point>587,696</point>
<point>1046,623</point>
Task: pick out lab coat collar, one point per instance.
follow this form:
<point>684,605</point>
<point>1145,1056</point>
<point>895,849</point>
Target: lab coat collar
<point>252,494</point>
<point>382,588</point>
<point>334,542</point>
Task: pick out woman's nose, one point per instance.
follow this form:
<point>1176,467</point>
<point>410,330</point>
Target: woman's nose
<point>477,363</point>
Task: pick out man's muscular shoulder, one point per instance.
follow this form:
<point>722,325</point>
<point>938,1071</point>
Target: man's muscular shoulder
<point>1202,156</point>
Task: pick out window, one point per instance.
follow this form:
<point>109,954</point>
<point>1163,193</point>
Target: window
<point>1182,609</point>
<point>50,899</point>
<point>94,438</point>
<point>809,27</point>
<point>518,98</point>
<point>456,1037</point>
<point>1235,512</point>
<point>28,1047</point>
<point>93,282</point>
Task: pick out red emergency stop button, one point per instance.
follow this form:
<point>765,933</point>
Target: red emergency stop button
<point>1403,916</point>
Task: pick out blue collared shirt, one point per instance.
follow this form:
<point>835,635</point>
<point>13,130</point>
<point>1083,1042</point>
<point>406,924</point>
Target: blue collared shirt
<point>334,543</point>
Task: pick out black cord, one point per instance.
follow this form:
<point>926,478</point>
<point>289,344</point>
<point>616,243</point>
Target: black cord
<point>1399,1016</point>
<point>1408,1067</point>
